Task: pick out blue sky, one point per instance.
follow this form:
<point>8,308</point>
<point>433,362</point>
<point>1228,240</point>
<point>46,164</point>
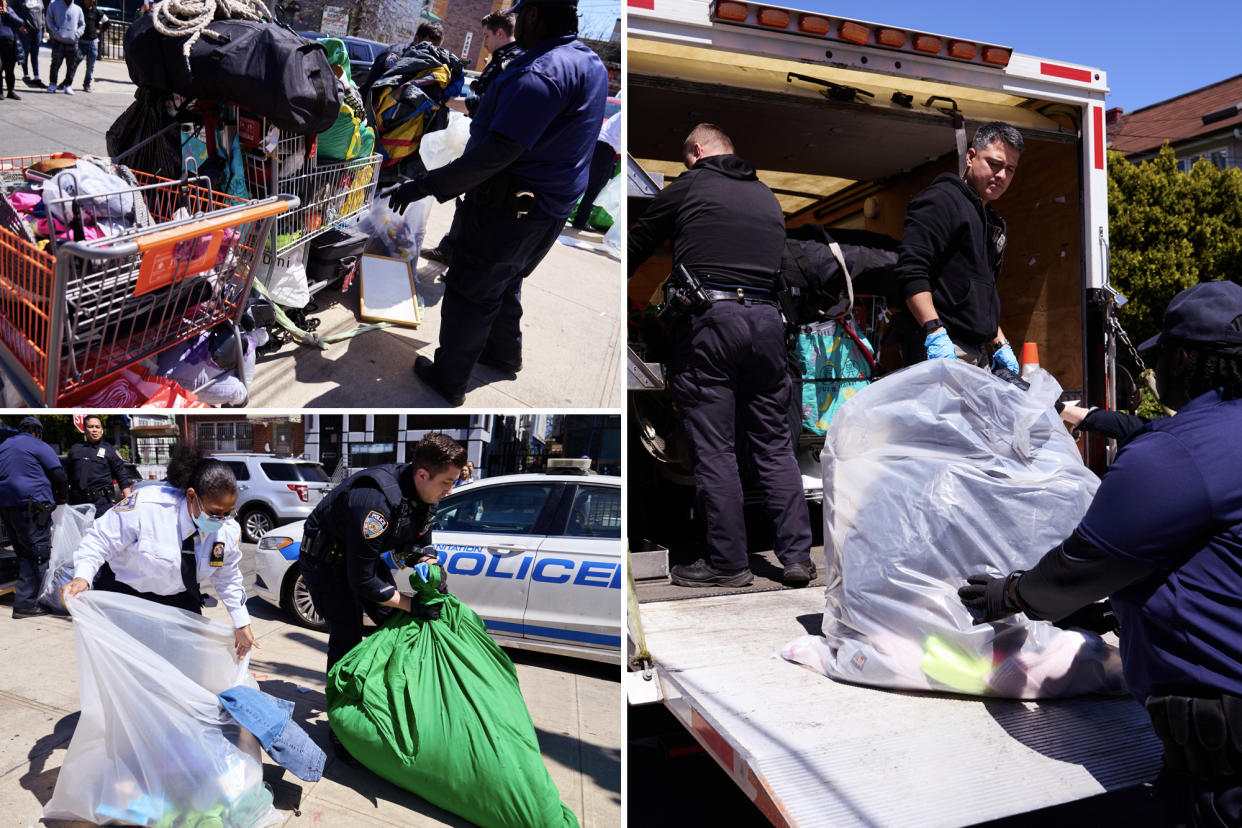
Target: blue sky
<point>1151,51</point>
<point>598,17</point>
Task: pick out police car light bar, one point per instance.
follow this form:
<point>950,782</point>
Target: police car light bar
<point>772,18</point>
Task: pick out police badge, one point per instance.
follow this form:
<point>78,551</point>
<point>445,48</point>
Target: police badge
<point>374,525</point>
<point>217,554</point>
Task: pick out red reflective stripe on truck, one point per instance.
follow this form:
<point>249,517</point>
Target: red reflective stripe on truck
<point>1067,72</point>
<point>710,739</point>
<point>1097,125</point>
<point>649,5</point>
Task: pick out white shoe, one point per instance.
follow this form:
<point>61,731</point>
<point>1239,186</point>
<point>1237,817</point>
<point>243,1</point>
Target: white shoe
<point>51,87</point>
<point>68,90</point>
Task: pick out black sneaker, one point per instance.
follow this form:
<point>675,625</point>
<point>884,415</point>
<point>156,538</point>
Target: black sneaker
<point>436,254</point>
<point>30,613</point>
<point>425,370</point>
<point>702,574</point>
<point>13,96</point>
<point>800,573</point>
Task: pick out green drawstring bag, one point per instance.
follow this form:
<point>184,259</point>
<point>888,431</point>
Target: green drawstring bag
<point>434,707</point>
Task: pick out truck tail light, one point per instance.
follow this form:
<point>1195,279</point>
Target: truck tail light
<point>996,55</point>
<point>927,43</point>
<point>962,49</point>
<point>301,489</point>
<point>894,38</point>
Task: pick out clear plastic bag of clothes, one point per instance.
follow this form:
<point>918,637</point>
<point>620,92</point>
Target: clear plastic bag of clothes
<point>69,525</point>
<point>153,746</point>
<point>932,474</point>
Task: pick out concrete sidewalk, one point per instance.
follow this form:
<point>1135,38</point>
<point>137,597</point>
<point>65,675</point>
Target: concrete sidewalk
<point>575,707</point>
<point>573,328</point>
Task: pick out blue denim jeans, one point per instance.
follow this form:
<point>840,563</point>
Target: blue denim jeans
<point>88,49</point>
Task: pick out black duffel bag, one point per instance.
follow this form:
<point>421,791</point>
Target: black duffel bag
<point>269,70</point>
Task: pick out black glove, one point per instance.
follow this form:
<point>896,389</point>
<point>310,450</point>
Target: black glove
<point>1098,618</point>
<point>400,196</point>
<point>1010,377</point>
<point>443,585</point>
<point>987,597</point>
<point>424,611</point>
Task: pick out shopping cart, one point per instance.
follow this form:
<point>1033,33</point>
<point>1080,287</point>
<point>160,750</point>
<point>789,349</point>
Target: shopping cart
<point>178,259</point>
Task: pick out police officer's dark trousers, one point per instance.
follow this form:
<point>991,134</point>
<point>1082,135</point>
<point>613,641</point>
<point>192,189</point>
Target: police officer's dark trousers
<point>493,251</point>
<point>339,605</point>
<point>32,542</point>
<point>729,376</point>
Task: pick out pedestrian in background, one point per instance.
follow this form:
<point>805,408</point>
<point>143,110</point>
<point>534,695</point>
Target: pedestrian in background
<point>88,44</point>
<point>602,164</point>
<point>93,466</point>
<point>161,541</point>
<point>65,25</point>
<point>31,41</point>
<point>12,29</point>
<point>31,482</point>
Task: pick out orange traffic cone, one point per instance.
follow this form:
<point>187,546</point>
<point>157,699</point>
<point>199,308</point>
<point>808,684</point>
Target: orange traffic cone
<point>1030,358</point>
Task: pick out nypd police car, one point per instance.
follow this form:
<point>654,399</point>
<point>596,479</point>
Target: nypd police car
<point>537,556</point>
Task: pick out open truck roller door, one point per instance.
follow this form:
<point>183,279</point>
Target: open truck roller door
<point>846,121</point>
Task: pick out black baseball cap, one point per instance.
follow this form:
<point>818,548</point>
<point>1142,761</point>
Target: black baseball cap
<point>1208,313</point>
<point>521,4</point>
<point>30,422</point>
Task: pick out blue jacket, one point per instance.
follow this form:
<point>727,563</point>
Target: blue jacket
<point>30,470</point>
<point>271,721</point>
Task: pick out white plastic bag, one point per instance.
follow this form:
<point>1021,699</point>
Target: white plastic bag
<point>153,745</point>
<point>445,145</point>
<point>932,474</point>
<point>397,235</point>
<point>609,198</point>
<point>69,525</point>
<point>287,283</point>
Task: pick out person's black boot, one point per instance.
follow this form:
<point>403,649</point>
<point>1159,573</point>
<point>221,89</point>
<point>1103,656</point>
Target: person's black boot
<point>424,369</point>
<point>800,573</point>
<point>702,574</point>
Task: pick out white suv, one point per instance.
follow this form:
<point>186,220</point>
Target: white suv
<point>273,490</point>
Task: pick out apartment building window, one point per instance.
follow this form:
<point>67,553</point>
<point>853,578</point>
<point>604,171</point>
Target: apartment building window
<point>236,436</point>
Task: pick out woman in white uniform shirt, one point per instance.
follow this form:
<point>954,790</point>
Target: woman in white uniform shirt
<point>161,541</point>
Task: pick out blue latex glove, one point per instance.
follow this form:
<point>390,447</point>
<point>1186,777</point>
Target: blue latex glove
<point>423,571</point>
<point>1004,358</point>
<point>939,346</point>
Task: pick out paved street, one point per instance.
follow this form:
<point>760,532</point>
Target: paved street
<point>576,708</point>
<point>572,325</point>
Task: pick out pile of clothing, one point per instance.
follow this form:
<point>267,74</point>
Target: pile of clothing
<point>70,198</point>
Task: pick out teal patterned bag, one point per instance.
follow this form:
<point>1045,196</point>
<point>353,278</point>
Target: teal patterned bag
<point>827,352</point>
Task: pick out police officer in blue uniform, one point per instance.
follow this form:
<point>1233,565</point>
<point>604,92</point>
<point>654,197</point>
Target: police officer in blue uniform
<point>1163,540</point>
<point>93,466</point>
<point>729,358</point>
<point>31,482</point>
<point>525,165</point>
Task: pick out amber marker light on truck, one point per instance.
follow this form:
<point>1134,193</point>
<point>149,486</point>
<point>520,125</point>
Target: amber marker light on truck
<point>813,24</point>
<point>825,27</point>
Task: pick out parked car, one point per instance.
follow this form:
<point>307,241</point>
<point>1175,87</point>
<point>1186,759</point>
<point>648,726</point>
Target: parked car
<point>538,556</point>
<point>273,490</point>
<point>362,53</point>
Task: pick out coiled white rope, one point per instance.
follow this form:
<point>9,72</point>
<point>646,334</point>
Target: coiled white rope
<point>177,18</point>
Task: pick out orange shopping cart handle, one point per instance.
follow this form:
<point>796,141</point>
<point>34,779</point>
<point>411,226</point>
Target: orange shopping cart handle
<point>190,229</point>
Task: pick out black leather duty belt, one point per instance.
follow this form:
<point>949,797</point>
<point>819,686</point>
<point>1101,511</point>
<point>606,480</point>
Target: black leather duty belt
<point>739,295</point>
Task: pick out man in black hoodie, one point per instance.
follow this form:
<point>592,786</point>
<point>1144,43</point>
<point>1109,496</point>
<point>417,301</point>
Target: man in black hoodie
<point>729,359</point>
<point>951,253</point>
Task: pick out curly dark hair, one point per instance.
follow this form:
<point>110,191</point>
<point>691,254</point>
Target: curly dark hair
<point>188,468</point>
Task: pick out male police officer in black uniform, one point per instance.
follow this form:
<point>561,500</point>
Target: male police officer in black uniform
<point>92,467</point>
<point>31,478</point>
<point>729,357</point>
<point>378,509</point>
